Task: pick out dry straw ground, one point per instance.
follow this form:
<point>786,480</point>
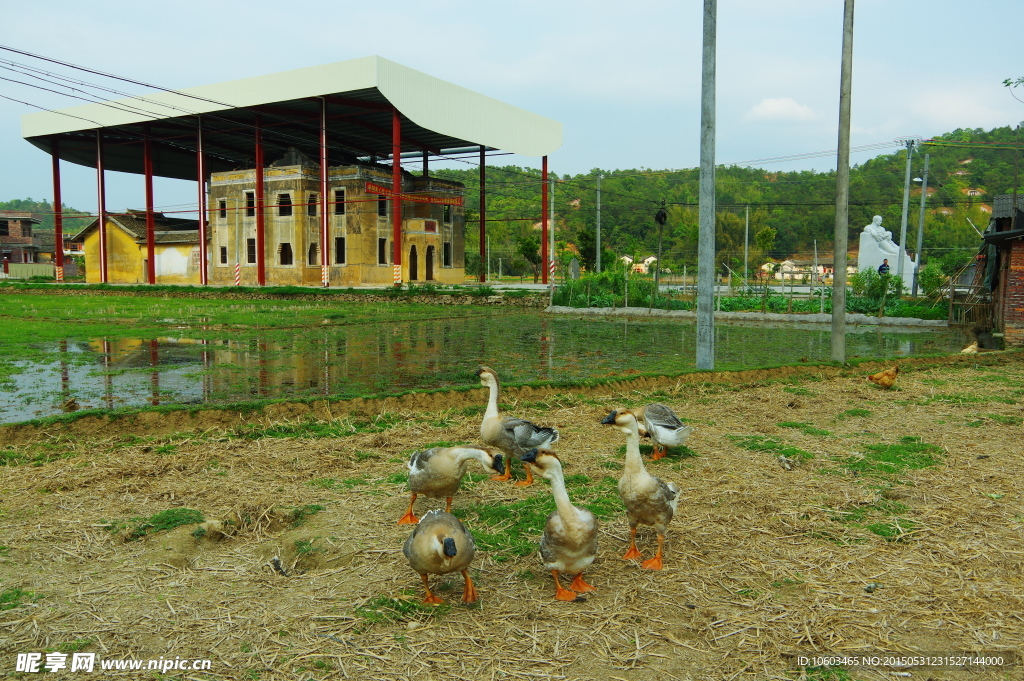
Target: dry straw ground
<point>831,549</point>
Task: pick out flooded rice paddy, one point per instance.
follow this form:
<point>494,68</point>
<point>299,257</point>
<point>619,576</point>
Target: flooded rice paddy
<point>387,358</point>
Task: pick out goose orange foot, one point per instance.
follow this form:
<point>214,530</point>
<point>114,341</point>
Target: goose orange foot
<point>529,476</point>
<point>580,586</point>
<point>469,592</point>
<point>562,594</point>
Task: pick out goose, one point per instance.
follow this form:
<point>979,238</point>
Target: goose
<point>664,428</point>
<point>648,500</point>
<point>438,472</point>
<point>569,543</point>
<point>511,435</point>
<point>441,544</point>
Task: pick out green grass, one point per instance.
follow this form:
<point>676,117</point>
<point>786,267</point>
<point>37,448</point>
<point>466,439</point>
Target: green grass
<point>795,390</point>
<point>854,413</point>
<point>805,428</point>
<point>384,610</point>
<point>910,453</point>
<point>162,521</point>
<point>760,443</point>
<point>306,547</point>
<point>513,529</point>
<point>15,598</point>
<point>303,513</point>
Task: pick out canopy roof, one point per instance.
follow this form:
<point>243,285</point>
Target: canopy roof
<point>361,94</point>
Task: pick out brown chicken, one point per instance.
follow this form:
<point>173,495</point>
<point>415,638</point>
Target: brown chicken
<point>885,379</point>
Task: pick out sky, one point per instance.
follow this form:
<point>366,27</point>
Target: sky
<point>624,78</point>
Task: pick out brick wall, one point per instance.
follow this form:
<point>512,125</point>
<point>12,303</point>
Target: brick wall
<point>1013,304</point>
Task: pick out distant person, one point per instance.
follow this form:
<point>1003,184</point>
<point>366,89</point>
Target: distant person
<point>883,269</point>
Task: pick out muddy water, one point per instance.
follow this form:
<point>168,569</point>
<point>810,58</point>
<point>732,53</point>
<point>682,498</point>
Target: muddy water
<point>381,359</point>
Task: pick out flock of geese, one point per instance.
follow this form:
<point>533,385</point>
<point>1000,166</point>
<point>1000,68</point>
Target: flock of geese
<point>441,544</point>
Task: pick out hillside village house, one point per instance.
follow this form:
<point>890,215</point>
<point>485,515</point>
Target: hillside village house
<point>17,242</point>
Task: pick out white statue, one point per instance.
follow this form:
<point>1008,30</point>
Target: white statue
<point>882,236</point>
<point>876,245</point>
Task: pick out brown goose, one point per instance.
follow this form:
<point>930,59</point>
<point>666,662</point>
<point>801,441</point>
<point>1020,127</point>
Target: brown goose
<point>441,544</point>
<point>648,500</point>
<point>569,543</point>
<point>511,435</point>
<point>438,472</point>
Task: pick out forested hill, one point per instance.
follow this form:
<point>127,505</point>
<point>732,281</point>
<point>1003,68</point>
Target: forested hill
<point>967,167</point>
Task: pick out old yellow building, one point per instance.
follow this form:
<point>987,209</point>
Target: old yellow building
<point>176,247</point>
<point>359,247</point>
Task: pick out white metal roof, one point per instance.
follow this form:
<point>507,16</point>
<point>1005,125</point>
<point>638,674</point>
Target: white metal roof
<point>437,114</point>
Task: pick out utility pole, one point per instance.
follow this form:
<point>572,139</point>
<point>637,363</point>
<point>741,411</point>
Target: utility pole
<point>920,223</point>
<point>746,245</point>
<point>706,238</point>
<point>551,251</point>
<point>598,261</point>
<point>838,349</point>
<point>901,256</point>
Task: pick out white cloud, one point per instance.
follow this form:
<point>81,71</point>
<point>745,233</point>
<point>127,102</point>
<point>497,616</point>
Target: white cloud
<point>780,109</point>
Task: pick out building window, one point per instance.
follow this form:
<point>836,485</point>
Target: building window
<point>339,250</point>
<point>311,206</point>
<point>382,205</point>
<point>223,255</point>
<point>284,205</point>
<point>222,208</point>
<point>447,213</point>
<point>250,204</point>
<point>250,251</point>
<point>286,254</point>
<point>311,256</point>
<point>446,254</point>
<point>382,251</point>
<point>339,201</point>
<point>430,225</point>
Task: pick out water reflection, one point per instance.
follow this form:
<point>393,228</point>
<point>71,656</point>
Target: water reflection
<point>388,358</point>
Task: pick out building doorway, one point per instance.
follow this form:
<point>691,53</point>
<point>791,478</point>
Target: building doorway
<point>430,263</point>
<point>413,265</point>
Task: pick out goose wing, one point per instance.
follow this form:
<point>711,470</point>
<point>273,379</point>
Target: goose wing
<point>525,435</point>
<point>664,426</point>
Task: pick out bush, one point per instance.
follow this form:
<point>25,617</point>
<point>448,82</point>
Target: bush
<point>931,278</point>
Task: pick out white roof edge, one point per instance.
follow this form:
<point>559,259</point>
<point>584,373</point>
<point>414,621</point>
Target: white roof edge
<point>430,102</point>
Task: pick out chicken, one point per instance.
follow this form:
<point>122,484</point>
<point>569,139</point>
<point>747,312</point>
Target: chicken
<point>885,379</point>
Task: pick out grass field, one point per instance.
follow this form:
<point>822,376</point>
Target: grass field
<point>894,526</point>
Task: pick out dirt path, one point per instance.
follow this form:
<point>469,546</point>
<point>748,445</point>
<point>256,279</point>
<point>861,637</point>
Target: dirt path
<point>768,560</point>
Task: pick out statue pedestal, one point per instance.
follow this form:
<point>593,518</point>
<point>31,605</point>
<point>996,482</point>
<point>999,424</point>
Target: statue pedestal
<point>871,255</point>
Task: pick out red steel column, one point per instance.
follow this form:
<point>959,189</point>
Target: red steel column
<point>544,219</point>
<point>201,177</point>
<point>261,266</point>
<point>396,194</point>
<point>147,163</point>
<point>325,272</point>
<point>483,215</point>
<point>58,212</point>
<point>101,207</point>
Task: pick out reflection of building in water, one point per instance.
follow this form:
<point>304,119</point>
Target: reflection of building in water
<point>363,360</point>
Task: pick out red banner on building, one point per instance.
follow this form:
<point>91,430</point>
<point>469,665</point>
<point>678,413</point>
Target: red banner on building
<point>443,200</point>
